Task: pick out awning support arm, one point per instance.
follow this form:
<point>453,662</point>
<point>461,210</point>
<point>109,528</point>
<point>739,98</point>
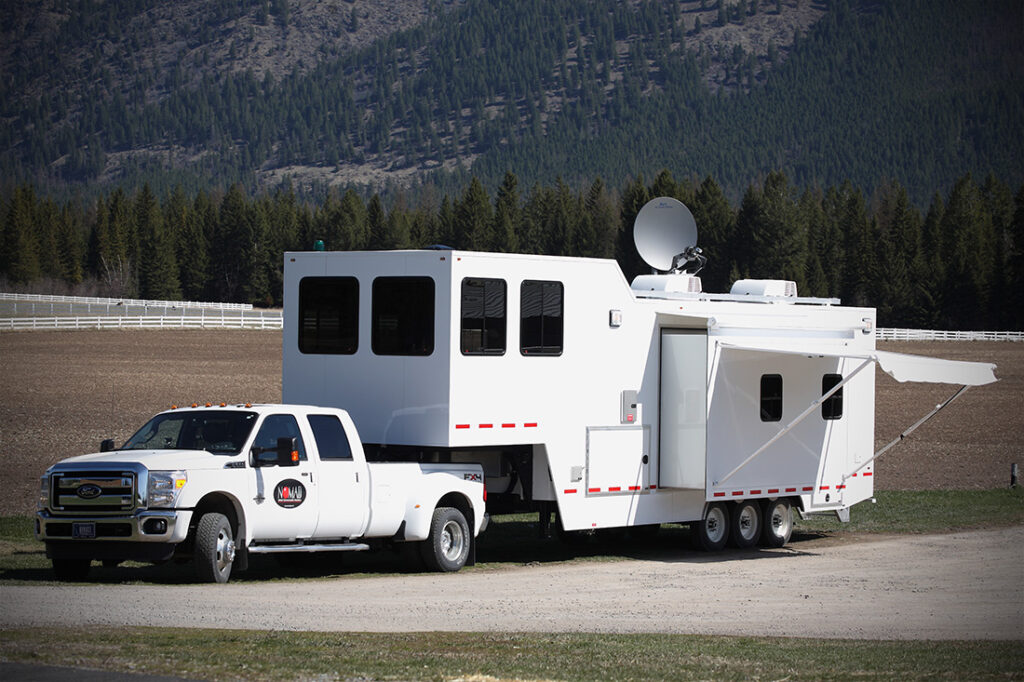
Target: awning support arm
<point>909,431</point>
<point>806,413</point>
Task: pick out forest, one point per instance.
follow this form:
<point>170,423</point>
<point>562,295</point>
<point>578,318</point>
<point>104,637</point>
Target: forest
<point>956,266</point>
<point>920,90</point>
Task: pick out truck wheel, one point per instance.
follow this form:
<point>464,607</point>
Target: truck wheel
<point>712,532</point>
<point>778,523</point>
<point>215,548</point>
<point>71,569</point>
<point>447,548</point>
<point>745,529</point>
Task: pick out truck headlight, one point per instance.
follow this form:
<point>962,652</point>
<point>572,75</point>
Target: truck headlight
<point>164,487</point>
<point>44,492</point>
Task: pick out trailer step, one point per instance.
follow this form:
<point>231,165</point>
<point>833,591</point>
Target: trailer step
<point>298,549</point>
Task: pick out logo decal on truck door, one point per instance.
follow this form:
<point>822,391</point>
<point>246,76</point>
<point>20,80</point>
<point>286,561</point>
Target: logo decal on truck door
<point>289,493</point>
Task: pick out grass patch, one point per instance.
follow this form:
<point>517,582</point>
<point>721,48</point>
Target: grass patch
<point>514,540</point>
<point>234,654</point>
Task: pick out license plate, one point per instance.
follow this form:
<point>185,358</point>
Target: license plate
<point>83,530</point>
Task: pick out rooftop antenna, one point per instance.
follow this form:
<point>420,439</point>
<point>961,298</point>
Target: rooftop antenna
<point>665,235</point>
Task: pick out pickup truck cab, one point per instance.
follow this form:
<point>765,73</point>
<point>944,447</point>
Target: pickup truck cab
<point>219,483</point>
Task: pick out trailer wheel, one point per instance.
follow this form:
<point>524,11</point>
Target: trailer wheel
<point>71,569</point>
<point>712,532</point>
<point>745,529</point>
<point>214,549</point>
<point>447,548</point>
<point>778,523</point>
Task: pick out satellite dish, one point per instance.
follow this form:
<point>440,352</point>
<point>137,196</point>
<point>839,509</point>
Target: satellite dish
<point>665,235</point>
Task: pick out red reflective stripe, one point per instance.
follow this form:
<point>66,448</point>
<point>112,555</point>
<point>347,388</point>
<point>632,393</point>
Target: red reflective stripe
<point>867,473</point>
<point>570,491</point>
<point>615,489</point>
<point>755,492</point>
<point>719,494</point>
<point>530,425</point>
<point>593,490</point>
<point>634,487</point>
<point>772,490</point>
<point>855,475</point>
<point>486,426</point>
<point>808,488</point>
<point>840,487</point>
<point>824,487</point>
<point>508,426</point>
<point>737,493</point>
<point>462,426</point>
<point>790,490</point>
<point>654,487</point>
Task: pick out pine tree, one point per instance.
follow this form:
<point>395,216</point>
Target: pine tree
<point>506,216</point>
<point>716,223</point>
<point>158,267</point>
<point>473,218</point>
<point>20,249</point>
<point>376,220</point>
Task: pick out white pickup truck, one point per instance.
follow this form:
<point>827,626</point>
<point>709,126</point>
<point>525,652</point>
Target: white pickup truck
<point>219,483</point>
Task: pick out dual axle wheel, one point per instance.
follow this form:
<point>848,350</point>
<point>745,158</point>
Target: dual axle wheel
<point>743,524</point>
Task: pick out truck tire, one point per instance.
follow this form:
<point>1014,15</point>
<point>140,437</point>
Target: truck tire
<point>778,523</point>
<point>214,549</point>
<point>71,569</point>
<point>712,532</point>
<point>745,526</point>
<point>447,548</point>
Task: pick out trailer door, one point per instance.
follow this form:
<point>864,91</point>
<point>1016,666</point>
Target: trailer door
<point>683,408</point>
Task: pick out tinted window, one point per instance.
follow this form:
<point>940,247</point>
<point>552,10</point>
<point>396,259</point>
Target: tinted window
<point>540,330</point>
<point>403,316</point>
<point>329,315</point>
<point>832,408</point>
<point>217,431</point>
<point>771,397</point>
<point>278,426</point>
<point>483,316</point>
<point>329,433</point>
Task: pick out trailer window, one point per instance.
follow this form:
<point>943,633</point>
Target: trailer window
<point>832,408</point>
<point>483,316</point>
<point>403,316</point>
<point>771,397</point>
<point>540,329</point>
<point>329,315</point>
<point>329,434</point>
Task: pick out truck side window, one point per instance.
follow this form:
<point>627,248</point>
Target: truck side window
<point>771,397</point>
<point>403,316</point>
<point>278,426</point>
<point>483,316</point>
<point>540,329</point>
<point>833,407</point>
<point>329,315</point>
<point>329,434</point>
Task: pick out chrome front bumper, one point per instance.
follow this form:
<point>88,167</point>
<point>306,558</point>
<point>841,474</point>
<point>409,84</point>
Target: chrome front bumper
<point>144,525</point>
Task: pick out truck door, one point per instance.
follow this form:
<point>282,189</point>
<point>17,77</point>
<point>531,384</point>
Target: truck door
<point>285,497</point>
<point>343,483</point>
<point>682,416</point>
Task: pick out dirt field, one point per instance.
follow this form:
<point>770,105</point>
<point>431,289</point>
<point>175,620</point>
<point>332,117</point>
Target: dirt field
<point>61,393</point>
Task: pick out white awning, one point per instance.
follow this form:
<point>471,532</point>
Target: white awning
<point>900,366</point>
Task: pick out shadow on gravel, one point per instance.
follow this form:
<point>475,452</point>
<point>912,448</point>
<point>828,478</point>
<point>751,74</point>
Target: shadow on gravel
<point>504,545</point>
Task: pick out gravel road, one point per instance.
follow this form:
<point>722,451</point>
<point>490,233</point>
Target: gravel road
<point>958,586</point>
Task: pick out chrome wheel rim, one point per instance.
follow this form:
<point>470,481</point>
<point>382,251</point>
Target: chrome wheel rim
<point>452,540</point>
<point>225,549</point>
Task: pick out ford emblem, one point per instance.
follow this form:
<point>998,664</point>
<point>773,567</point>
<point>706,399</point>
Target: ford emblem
<point>88,491</point>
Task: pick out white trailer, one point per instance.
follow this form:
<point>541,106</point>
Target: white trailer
<point>614,404</point>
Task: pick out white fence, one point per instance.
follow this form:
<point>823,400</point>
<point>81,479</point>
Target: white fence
<point>261,320</point>
<point>82,300</point>
<point>883,334</point>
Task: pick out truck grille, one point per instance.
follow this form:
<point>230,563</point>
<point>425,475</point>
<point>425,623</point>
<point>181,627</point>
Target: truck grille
<point>93,492</point>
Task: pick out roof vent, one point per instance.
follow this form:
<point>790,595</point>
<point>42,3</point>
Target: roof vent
<point>764,287</point>
<point>667,284</point>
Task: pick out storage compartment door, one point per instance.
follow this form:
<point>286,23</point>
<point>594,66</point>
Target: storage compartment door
<point>617,460</point>
<point>683,408</point>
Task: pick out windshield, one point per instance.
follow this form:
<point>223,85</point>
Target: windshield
<point>217,431</point>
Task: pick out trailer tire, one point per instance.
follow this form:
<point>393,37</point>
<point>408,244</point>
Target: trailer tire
<point>745,528</point>
<point>214,548</point>
<point>712,532</point>
<point>778,522</point>
<point>71,569</point>
<point>447,548</point>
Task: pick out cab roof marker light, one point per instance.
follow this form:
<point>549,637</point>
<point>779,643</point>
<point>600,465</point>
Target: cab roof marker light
<point>209,404</point>
<point>195,404</point>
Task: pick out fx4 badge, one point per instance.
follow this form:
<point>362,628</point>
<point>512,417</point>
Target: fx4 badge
<point>289,493</point>
<point>472,477</point>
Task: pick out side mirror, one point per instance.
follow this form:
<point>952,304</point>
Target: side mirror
<point>286,454</point>
<point>107,445</point>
